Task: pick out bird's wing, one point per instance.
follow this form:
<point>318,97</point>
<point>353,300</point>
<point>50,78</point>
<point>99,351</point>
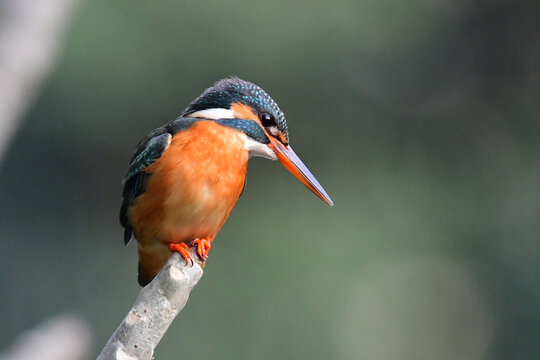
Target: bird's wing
<point>148,151</point>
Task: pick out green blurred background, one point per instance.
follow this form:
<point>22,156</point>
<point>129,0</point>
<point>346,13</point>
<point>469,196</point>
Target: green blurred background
<point>420,118</point>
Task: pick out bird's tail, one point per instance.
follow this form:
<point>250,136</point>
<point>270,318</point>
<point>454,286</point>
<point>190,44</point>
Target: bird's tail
<point>151,260</point>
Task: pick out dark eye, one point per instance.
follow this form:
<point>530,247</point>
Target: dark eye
<point>267,120</point>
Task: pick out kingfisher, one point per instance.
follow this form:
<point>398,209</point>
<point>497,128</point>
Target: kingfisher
<point>186,176</point>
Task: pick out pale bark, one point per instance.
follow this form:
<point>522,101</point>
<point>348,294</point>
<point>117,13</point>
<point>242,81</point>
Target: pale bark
<point>155,308</point>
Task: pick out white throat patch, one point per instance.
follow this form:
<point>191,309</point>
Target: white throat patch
<point>255,148</point>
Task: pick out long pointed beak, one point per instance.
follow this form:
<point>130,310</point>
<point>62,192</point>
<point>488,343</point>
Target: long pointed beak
<point>291,162</point>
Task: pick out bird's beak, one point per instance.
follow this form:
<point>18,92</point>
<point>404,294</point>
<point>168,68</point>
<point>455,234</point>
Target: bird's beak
<point>291,162</point>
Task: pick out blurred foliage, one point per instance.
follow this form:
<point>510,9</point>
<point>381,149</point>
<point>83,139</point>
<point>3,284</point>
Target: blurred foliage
<point>420,118</point>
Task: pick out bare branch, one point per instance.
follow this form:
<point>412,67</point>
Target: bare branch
<point>155,308</point>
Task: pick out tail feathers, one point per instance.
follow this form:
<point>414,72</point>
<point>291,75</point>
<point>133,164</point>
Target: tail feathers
<point>143,278</point>
<point>128,234</point>
<point>151,260</point>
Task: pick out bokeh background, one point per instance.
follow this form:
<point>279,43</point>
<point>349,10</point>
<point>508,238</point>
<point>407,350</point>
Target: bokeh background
<point>420,118</point>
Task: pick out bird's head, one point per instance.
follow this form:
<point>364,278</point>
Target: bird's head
<point>246,107</point>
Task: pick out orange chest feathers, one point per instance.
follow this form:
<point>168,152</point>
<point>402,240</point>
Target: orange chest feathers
<point>194,185</point>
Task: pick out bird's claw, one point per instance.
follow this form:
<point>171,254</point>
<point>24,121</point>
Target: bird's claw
<point>203,246</point>
<point>181,248</point>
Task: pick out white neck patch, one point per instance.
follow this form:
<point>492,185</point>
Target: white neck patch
<point>214,114</point>
<point>255,148</point>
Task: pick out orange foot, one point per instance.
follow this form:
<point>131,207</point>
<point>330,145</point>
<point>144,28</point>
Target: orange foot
<point>203,246</point>
<point>182,248</point>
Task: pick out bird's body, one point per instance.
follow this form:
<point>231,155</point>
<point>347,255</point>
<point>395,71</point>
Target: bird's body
<point>186,176</point>
<point>194,186</point>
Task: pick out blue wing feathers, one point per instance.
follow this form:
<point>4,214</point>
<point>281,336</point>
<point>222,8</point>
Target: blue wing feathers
<point>136,178</point>
<point>148,151</point>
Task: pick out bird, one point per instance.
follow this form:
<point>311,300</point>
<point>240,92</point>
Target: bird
<point>185,177</point>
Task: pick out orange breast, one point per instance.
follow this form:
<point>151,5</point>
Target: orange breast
<point>193,188</point>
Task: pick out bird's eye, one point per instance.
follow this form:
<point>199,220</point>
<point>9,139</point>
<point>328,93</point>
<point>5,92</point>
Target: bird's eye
<point>267,120</point>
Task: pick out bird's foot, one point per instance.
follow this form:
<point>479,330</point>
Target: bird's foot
<point>181,248</point>
<point>203,246</point>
